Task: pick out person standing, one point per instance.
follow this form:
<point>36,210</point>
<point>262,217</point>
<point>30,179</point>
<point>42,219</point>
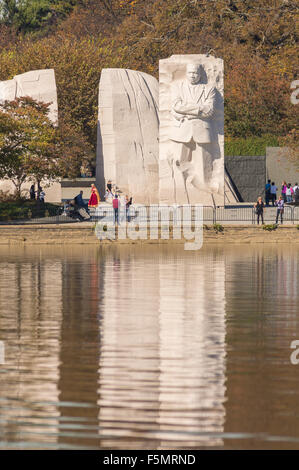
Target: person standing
<point>273,191</point>
<point>108,196</point>
<point>79,201</point>
<point>289,193</point>
<point>39,189</point>
<point>280,209</point>
<point>259,210</point>
<point>32,192</point>
<point>284,190</point>
<point>128,204</point>
<point>42,195</point>
<point>295,187</point>
<point>115,204</point>
<point>267,192</point>
<point>94,197</point>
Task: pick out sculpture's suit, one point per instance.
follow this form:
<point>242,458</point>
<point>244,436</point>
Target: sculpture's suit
<point>192,134</point>
<point>185,128</point>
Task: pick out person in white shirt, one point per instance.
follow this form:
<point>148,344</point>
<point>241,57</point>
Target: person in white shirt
<point>273,191</point>
<point>280,209</point>
<point>42,195</point>
<point>108,196</point>
<point>289,193</point>
<point>295,187</point>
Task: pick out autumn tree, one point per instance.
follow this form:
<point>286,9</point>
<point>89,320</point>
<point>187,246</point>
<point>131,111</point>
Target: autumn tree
<point>31,147</point>
<point>257,39</point>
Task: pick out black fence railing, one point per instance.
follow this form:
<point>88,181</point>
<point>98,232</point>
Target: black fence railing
<point>169,214</point>
<point>208,214</point>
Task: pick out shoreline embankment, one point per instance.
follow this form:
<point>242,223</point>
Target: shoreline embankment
<point>63,234</point>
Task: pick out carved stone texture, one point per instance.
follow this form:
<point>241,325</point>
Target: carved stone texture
<point>127,148</point>
<point>38,84</point>
<point>191,154</point>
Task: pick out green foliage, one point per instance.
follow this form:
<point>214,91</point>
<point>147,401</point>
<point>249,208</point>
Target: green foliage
<point>218,228</point>
<point>24,209</point>
<point>270,227</point>
<point>33,15</point>
<point>234,146</point>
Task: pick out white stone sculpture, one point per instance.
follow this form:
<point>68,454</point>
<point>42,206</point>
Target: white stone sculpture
<point>38,84</point>
<point>128,126</point>
<point>191,130</point>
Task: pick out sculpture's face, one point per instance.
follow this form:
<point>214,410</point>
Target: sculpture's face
<point>193,74</point>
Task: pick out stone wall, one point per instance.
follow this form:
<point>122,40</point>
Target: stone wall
<point>248,174</point>
<point>280,166</point>
<point>127,147</point>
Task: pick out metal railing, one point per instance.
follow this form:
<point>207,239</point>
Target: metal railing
<point>234,214</point>
<point>156,213</point>
<point>210,214</point>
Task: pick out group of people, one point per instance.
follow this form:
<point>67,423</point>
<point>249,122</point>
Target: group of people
<point>121,204</point>
<point>259,209</point>
<point>289,193</point>
<point>38,195</point>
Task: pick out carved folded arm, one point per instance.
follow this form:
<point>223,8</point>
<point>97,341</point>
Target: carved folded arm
<point>207,110</point>
<point>176,105</point>
<point>181,110</point>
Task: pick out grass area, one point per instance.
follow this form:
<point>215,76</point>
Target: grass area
<point>25,209</point>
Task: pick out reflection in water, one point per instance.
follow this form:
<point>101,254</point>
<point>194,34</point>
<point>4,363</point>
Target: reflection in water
<point>148,347</point>
<point>192,350</point>
<point>162,357</point>
<point>262,299</point>
<point>31,315</point>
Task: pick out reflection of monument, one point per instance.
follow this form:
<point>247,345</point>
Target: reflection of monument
<point>162,363</point>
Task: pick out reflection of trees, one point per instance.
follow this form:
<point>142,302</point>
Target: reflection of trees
<point>80,340</point>
<point>31,310</point>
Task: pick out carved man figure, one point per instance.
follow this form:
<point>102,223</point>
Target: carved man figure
<point>193,105</point>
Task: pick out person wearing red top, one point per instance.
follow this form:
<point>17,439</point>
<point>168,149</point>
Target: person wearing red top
<point>115,204</point>
<point>94,198</point>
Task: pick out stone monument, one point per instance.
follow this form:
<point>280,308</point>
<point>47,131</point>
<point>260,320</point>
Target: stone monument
<point>38,84</point>
<point>191,150</point>
<point>128,126</point>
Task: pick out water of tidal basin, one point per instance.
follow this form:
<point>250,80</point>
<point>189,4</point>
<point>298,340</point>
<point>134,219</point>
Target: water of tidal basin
<point>149,348</point>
